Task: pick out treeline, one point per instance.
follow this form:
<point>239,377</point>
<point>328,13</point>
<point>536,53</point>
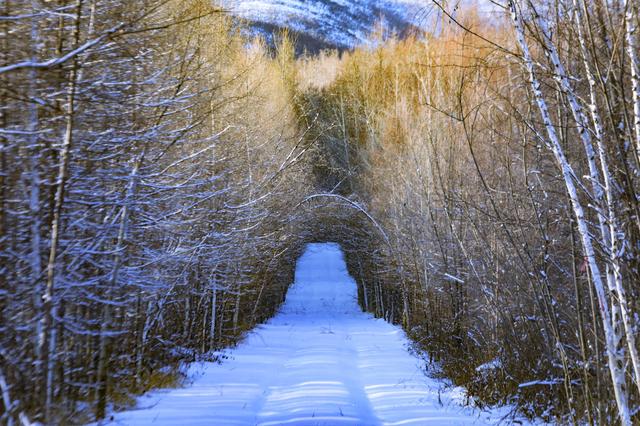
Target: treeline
<point>147,154</point>
<point>499,165</point>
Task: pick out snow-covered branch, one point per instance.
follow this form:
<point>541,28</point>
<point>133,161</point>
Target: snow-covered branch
<point>53,62</point>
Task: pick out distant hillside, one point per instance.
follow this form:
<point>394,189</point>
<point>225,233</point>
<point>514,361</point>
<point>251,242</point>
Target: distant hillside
<point>341,24</point>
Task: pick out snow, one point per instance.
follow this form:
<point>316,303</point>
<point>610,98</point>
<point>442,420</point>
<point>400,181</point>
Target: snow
<point>319,361</point>
<point>346,23</point>
<point>488,366</point>
<point>340,22</point>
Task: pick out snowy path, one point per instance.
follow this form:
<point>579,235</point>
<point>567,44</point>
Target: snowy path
<point>320,361</point>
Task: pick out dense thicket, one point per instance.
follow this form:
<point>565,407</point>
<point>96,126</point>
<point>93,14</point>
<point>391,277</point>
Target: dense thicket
<point>147,154</point>
<point>501,163</point>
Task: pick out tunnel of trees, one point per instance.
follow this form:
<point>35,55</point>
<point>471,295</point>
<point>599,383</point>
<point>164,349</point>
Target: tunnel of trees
<point>160,174</point>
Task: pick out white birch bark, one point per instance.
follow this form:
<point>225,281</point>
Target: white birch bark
<point>612,337</point>
<point>610,229</point>
<point>6,399</point>
<point>34,195</point>
<point>49,307</point>
<point>56,223</point>
<point>634,65</point>
<point>214,302</point>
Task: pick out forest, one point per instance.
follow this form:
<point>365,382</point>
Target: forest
<point>161,172</point>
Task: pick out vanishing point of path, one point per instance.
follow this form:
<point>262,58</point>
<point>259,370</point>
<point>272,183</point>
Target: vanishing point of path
<point>319,361</point>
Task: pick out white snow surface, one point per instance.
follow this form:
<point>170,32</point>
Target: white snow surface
<point>348,23</point>
<point>319,361</point>
<point>345,23</point>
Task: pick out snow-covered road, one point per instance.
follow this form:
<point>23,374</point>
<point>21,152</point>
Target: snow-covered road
<point>320,361</point>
